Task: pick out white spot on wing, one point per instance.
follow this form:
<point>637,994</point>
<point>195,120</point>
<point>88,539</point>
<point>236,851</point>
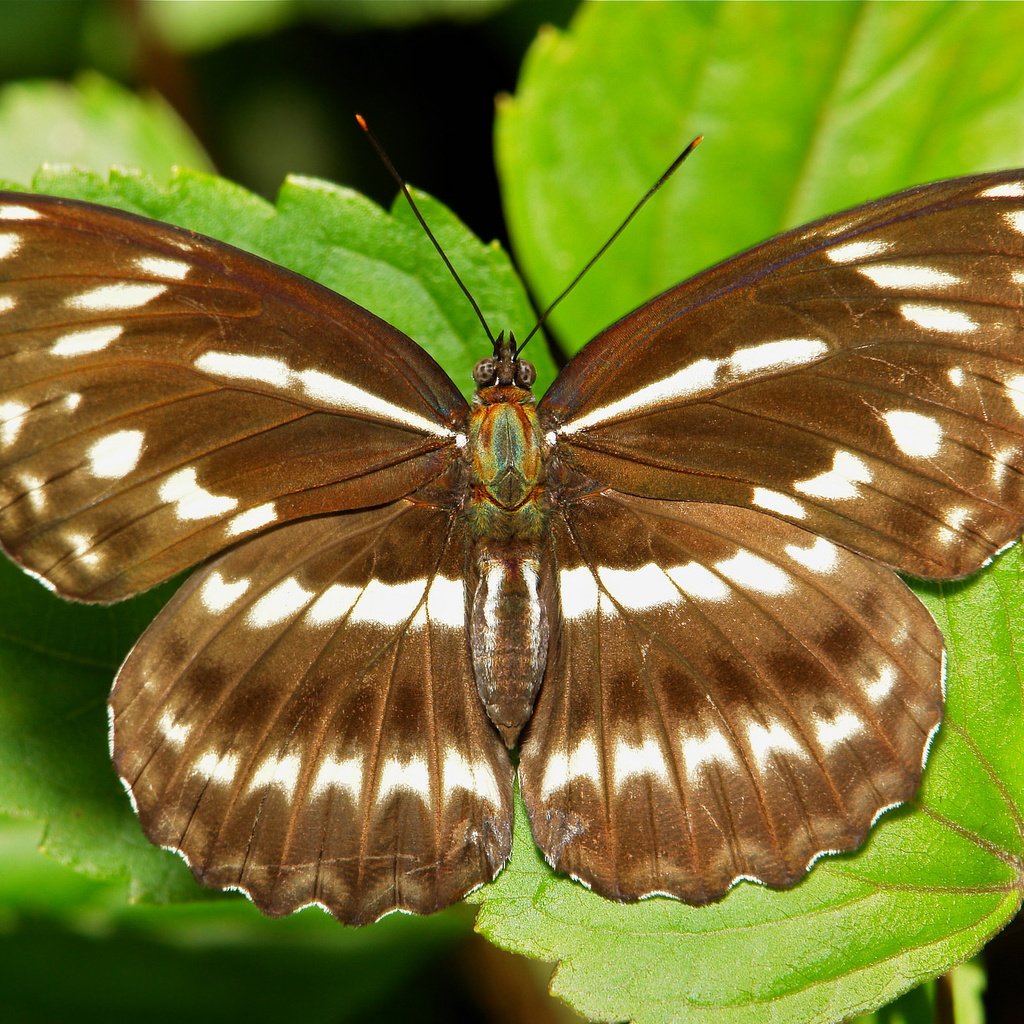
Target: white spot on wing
<point>332,605</point>
<point>956,376</point>
<point>704,374</point>
<point>850,252</point>
<point>1001,463</point>
<point>690,380</point>
<point>831,732</point>
<point>915,435</point>
<point>697,581</point>
<point>279,603</point>
<point>192,501</point>
<point>879,687</point>
<point>218,595</point>
<point>1007,190</point>
<point>578,592</point>
<point>710,748</point>
<point>12,419</point>
<point>638,589</point>
<point>252,519</point>
<point>116,454</point>
<point>7,303</point>
<point>777,355</point>
<point>820,556</point>
<point>955,518</point>
<point>1015,219</point>
<point>72,401</point>
<point>752,572</point>
<point>907,275</point>
<point>1015,391</point>
<point>216,768</point>
<point>775,501</point>
<point>233,366</point>
<point>446,602</point>
<point>840,481</point>
<point>335,774</point>
<point>410,776</point>
<point>80,343</point>
<point>388,604</point>
<point>938,318</point>
<point>775,739</point>
<point>459,773</point>
<point>565,767</point>
<point>34,489</point>
<point>161,266</point>
<point>646,759</point>
<point>80,545</point>
<point>12,211</point>
<point>174,732</point>
<point>10,243</point>
<point>123,295</point>
<point>324,388</point>
<point>279,772</point>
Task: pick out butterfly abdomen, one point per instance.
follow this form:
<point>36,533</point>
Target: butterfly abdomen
<point>506,515</point>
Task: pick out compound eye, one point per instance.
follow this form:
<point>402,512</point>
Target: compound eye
<point>525,374</point>
<point>485,372</point>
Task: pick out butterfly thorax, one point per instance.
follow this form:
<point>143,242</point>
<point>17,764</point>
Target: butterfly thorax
<point>506,471</point>
<point>506,512</point>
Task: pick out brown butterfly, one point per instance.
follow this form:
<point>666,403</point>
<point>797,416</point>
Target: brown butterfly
<point>669,582</point>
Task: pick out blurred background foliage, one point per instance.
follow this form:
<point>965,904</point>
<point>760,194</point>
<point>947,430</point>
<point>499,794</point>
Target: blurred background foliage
<point>257,89</point>
<point>269,86</point>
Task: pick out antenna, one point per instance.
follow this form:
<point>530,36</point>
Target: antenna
<point>669,171</point>
<point>400,181</point>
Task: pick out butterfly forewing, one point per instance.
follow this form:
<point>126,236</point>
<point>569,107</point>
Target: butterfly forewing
<point>862,377</point>
<point>164,395</point>
<point>732,697</point>
<point>301,721</point>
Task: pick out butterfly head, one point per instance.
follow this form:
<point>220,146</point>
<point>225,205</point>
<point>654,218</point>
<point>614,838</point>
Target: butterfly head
<point>504,368</point>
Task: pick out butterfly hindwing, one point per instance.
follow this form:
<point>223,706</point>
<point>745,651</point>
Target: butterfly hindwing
<point>301,721</point>
<point>731,697</point>
<point>164,395</point>
<point>861,377</point>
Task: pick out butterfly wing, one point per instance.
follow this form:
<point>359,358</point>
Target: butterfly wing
<point>163,395</point>
<point>731,696</point>
<point>862,377</point>
<point>301,720</point>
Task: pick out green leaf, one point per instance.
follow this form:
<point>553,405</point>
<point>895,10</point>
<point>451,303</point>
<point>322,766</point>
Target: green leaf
<point>220,960</point>
<point>966,983</point>
<point>92,124</point>
<point>886,96</point>
<point>56,659</point>
<point>197,25</point>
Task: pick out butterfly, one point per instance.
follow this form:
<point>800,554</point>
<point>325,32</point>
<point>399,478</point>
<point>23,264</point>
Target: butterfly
<point>668,584</point>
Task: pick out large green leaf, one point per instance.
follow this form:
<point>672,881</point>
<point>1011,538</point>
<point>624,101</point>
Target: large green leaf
<point>885,96</point>
<point>92,124</point>
<point>806,108</point>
